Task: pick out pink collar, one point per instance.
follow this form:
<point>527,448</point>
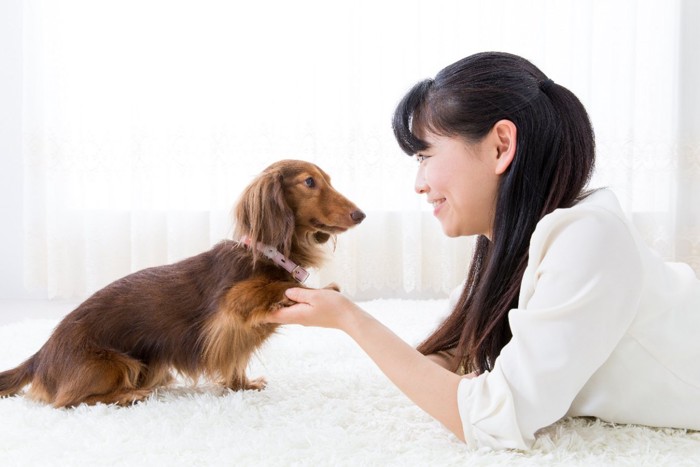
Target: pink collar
<point>297,272</point>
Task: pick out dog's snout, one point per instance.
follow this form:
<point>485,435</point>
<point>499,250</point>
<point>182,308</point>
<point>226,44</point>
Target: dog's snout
<point>357,216</point>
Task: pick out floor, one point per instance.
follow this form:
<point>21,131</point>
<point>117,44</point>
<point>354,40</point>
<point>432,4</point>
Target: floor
<point>12,311</point>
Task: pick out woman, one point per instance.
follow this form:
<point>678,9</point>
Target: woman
<point>564,310</point>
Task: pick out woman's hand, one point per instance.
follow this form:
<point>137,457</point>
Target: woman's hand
<point>325,308</point>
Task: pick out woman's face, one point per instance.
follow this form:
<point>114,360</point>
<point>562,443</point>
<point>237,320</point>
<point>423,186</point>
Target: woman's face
<point>460,180</point>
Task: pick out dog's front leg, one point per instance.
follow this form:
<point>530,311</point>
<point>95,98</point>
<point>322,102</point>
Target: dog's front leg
<point>250,301</point>
<point>240,327</point>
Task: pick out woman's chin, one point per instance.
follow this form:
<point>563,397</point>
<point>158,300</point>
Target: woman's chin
<point>450,231</point>
<point>454,231</point>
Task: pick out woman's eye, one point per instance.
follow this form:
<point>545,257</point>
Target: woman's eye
<point>310,182</point>
<point>420,158</point>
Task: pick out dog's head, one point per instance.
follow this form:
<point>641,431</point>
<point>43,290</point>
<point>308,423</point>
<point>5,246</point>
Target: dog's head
<point>292,206</point>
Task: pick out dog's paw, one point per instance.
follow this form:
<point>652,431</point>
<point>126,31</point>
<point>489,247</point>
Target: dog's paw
<point>333,286</point>
<point>244,384</point>
<point>257,384</point>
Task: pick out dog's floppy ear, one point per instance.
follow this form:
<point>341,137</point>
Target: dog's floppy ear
<point>263,215</point>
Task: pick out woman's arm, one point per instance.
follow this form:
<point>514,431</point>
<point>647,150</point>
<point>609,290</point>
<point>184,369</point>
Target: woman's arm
<point>429,385</point>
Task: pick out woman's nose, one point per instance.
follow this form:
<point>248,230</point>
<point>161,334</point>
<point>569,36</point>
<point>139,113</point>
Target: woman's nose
<point>421,186</point>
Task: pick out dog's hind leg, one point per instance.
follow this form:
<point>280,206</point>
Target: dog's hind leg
<point>122,398</point>
<point>104,376</point>
<point>155,375</point>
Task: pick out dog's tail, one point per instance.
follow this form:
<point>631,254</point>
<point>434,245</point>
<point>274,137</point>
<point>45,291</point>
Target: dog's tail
<point>12,381</point>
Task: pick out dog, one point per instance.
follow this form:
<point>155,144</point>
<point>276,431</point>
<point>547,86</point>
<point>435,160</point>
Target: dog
<point>201,317</point>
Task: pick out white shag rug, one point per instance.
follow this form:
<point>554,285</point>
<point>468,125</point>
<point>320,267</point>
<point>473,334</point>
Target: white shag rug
<point>326,404</point>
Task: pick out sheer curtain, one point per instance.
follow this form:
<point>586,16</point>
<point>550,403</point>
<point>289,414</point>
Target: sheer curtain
<point>144,119</point>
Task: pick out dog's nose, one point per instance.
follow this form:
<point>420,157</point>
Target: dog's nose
<point>357,216</point>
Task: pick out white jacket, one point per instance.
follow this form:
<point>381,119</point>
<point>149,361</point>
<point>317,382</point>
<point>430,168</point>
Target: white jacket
<point>604,328</point>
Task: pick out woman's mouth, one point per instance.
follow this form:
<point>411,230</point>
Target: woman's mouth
<point>437,204</point>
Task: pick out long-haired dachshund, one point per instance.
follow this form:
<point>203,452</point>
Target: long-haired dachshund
<point>203,316</point>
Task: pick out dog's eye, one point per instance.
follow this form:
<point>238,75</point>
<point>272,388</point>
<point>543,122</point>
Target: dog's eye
<point>310,182</point>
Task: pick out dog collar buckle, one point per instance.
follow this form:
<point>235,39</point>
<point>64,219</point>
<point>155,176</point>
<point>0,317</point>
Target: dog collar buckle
<point>300,274</point>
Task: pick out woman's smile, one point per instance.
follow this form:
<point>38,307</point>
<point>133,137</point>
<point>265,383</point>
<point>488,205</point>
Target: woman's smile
<point>437,204</point>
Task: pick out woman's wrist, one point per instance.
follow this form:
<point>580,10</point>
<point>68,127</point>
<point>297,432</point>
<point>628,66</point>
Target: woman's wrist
<point>353,320</point>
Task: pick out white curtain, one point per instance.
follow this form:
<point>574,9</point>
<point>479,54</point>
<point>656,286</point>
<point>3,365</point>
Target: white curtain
<point>144,119</point>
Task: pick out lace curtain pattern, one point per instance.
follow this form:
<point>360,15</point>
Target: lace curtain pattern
<point>144,120</point>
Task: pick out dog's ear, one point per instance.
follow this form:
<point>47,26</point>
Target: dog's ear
<point>263,215</point>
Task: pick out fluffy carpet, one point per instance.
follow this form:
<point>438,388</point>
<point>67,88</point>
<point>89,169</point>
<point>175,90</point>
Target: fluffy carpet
<point>326,404</point>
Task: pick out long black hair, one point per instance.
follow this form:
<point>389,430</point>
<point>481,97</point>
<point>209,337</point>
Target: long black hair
<point>553,162</point>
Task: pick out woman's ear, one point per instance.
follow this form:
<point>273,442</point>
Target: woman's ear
<point>505,135</point>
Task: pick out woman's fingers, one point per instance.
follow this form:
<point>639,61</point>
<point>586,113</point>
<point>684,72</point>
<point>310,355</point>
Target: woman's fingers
<point>298,294</point>
<point>294,314</point>
<point>288,315</point>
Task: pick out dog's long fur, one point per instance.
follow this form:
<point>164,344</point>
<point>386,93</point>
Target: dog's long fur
<point>203,316</point>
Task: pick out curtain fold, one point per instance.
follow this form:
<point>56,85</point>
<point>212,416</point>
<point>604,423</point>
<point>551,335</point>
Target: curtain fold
<point>144,120</point>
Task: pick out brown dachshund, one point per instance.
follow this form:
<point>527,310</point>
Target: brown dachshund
<point>203,316</point>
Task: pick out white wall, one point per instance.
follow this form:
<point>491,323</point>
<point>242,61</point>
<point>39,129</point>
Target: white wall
<point>11,282</point>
